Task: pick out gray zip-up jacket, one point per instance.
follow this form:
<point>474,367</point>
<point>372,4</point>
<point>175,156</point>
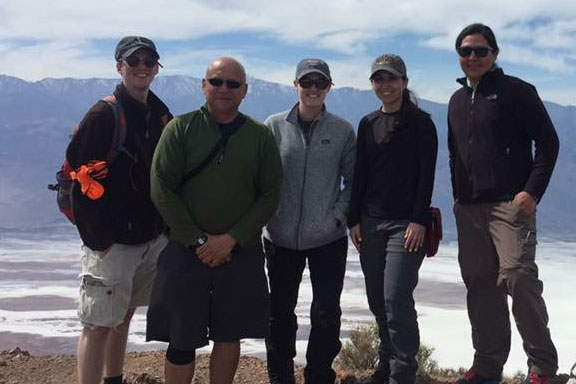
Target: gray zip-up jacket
<point>317,180</point>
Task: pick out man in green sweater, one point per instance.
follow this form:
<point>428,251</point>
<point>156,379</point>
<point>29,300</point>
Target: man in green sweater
<point>215,179</point>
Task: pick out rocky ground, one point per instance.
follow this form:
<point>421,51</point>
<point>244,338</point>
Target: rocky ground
<point>18,367</point>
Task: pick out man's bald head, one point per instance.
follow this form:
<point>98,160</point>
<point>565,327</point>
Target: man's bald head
<point>224,87</point>
<point>229,63</point>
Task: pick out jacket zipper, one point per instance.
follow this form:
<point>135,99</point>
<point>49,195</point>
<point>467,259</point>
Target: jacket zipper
<point>470,128</point>
<point>306,143</point>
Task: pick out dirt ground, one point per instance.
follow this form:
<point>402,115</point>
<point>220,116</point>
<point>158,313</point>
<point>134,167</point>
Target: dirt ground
<point>18,367</point>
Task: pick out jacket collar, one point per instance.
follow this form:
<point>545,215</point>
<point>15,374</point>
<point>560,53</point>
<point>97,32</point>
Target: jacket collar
<point>293,115</point>
<point>489,77</point>
<point>154,104</point>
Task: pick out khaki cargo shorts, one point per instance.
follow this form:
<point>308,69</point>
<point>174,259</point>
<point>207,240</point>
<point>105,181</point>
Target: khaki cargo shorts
<point>120,279</point>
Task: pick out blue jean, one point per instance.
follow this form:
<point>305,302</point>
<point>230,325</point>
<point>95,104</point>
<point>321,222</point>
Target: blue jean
<point>391,275</point>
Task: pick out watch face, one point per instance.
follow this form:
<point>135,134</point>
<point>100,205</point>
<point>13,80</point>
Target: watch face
<point>201,240</point>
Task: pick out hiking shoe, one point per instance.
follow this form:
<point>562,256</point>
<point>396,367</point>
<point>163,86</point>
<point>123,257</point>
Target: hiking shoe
<point>472,377</point>
<point>534,378</point>
<point>378,377</point>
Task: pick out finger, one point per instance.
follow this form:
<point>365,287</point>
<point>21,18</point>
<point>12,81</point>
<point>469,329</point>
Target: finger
<point>409,238</point>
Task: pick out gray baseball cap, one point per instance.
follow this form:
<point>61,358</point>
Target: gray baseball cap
<point>308,66</point>
<point>130,44</point>
<point>389,63</point>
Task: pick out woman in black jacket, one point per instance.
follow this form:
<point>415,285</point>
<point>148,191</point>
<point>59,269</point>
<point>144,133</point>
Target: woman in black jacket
<point>392,189</point>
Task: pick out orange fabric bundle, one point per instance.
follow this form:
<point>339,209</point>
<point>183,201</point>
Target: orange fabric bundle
<point>87,176</point>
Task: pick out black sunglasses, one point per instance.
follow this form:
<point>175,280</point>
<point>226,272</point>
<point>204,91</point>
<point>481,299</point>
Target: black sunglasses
<point>321,83</point>
<point>478,51</point>
<point>218,82</point>
<point>134,61</point>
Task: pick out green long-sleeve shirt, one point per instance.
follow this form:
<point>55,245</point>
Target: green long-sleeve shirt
<point>236,193</point>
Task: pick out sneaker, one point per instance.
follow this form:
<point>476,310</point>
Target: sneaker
<point>534,378</point>
<point>378,377</point>
<point>472,377</point>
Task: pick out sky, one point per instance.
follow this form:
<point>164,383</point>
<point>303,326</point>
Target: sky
<point>71,38</point>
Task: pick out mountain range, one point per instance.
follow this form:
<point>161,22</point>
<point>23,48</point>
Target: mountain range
<point>37,118</point>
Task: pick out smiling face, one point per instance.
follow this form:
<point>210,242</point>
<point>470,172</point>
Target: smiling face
<point>475,67</point>
<point>312,97</point>
<point>389,89</point>
<point>222,100</point>
<point>137,79</point>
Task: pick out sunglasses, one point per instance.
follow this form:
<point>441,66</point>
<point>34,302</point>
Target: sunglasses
<point>478,51</point>
<point>321,84</point>
<point>218,82</point>
<point>134,61</point>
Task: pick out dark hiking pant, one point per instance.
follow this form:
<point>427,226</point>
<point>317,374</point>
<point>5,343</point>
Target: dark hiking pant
<point>496,252</point>
<point>327,265</point>
<point>391,275</point>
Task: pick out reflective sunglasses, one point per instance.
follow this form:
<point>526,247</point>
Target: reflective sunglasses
<point>321,83</point>
<point>218,82</point>
<point>478,51</point>
<point>134,61</point>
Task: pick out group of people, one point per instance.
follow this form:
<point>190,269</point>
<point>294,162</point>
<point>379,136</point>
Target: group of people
<point>194,212</point>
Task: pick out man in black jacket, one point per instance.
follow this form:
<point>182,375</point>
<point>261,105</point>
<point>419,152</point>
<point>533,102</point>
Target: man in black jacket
<point>120,229</point>
<point>497,182</point>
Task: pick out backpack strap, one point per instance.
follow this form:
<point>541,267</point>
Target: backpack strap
<point>200,167</point>
<point>220,145</point>
<point>119,137</point>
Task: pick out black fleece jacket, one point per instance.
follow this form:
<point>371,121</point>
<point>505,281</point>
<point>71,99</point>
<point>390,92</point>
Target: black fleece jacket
<point>124,214</point>
<point>490,135</point>
<point>395,179</point>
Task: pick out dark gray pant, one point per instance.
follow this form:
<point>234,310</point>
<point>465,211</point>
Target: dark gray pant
<point>391,275</point>
<point>496,252</point>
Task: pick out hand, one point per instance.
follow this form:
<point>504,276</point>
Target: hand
<point>525,201</point>
<point>356,237</point>
<point>217,250</point>
<point>414,237</point>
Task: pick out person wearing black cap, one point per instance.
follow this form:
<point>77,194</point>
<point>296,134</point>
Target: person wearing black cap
<point>121,231</point>
<point>317,150</point>
<point>391,195</point>
<point>494,121</point>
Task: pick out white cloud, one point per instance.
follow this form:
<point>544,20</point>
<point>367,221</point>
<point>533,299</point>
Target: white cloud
<point>62,38</point>
<point>58,59</point>
<point>553,62</point>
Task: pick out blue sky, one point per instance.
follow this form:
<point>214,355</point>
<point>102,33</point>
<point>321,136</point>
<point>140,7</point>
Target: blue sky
<point>71,38</point>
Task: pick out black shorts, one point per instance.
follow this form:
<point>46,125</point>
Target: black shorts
<point>192,303</point>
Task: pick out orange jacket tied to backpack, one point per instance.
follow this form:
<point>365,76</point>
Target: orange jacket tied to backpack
<point>87,175</point>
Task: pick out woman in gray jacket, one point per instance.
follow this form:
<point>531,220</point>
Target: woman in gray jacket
<point>317,150</point>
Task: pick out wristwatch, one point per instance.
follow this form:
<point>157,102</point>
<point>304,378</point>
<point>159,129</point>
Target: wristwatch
<point>200,240</point>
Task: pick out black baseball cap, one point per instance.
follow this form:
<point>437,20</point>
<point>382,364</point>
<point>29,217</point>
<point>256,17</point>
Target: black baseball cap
<point>130,44</point>
<point>307,66</point>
